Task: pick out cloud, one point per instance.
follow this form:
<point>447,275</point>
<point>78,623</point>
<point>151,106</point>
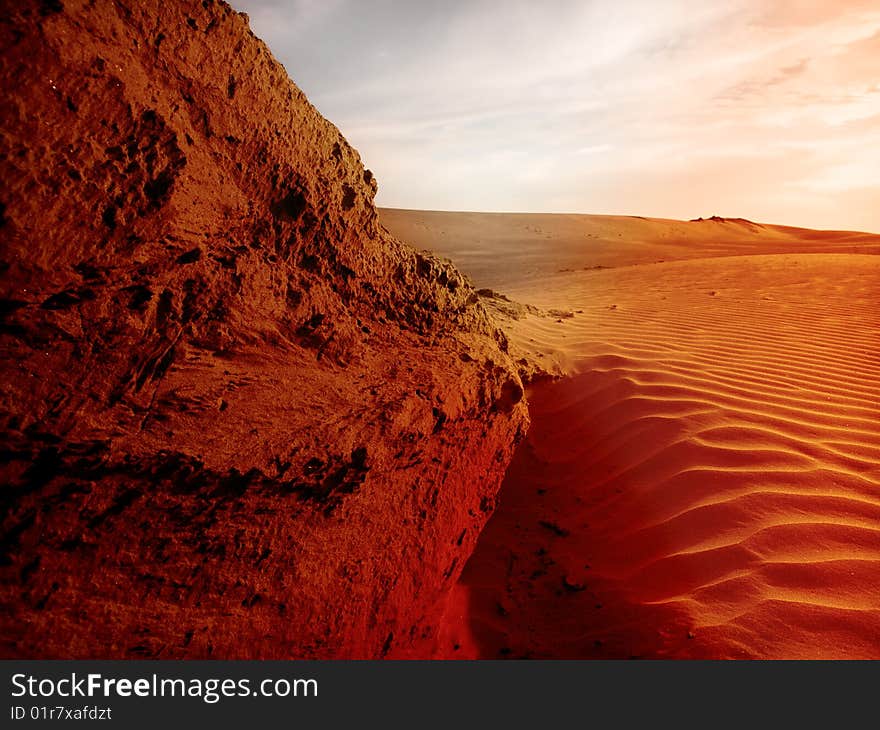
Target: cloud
<point>628,106</point>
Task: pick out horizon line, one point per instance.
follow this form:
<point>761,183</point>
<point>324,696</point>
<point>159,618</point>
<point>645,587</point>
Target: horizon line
<point>704,219</point>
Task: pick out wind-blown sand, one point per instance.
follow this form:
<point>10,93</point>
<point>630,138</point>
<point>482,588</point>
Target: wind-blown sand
<point>705,481</point>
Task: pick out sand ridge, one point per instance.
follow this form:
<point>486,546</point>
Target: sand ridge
<point>705,482</point>
<point>503,250</point>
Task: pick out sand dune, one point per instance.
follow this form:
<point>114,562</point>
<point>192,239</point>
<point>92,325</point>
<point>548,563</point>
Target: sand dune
<point>705,482</point>
<point>500,250</point>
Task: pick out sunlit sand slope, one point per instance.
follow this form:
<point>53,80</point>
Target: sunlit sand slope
<point>706,483</point>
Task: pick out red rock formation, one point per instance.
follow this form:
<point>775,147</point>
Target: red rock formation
<point>239,419</point>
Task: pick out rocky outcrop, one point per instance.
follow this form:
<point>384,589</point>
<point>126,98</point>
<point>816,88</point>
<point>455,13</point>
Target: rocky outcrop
<point>239,418</point>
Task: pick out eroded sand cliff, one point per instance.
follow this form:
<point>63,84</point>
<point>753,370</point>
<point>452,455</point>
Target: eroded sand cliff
<point>239,418</point>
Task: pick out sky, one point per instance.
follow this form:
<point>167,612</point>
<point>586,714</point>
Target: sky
<point>667,108</point>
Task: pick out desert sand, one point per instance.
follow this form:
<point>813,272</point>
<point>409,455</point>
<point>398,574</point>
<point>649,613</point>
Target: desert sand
<point>704,479</point>
<point>240,419</point>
